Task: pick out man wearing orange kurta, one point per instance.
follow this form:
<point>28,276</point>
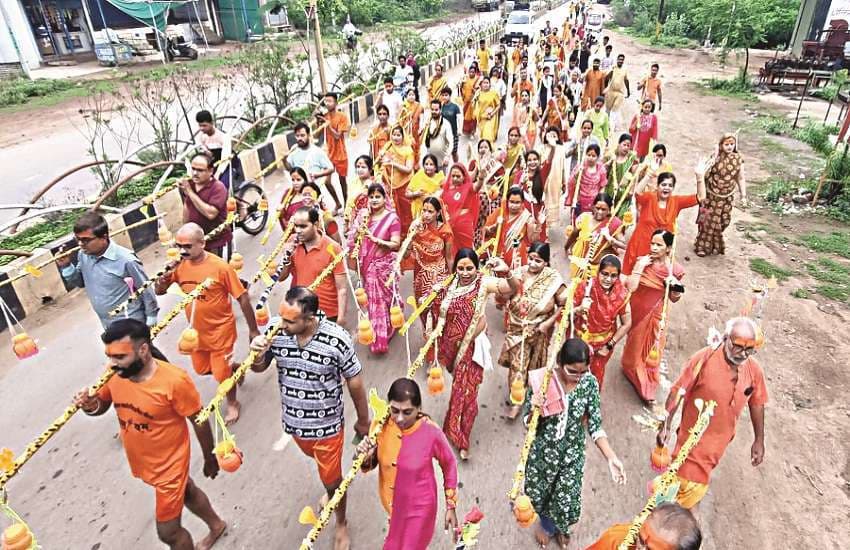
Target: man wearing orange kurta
<point>153,399</point>
<point>211,315</point>
<point>728,375</point>
<point>594,83</point>
<point>668,527</point>
<point>338,126</point>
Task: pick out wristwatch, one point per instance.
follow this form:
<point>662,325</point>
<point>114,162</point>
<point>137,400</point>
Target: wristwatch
<point>610,345</point>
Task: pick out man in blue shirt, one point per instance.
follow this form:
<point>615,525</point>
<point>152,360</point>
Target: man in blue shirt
<point>105,269</point>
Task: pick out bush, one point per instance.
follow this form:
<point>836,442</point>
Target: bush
<point>774,125</point>
<point>739,86</point>
<point>816,135</point>
<point>57,225</point>
<point>21,90</point>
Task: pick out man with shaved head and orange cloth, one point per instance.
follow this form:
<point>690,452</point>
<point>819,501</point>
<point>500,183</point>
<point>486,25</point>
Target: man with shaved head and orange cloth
<point>211,314</point>
<point>152,400</point>
<point>668,527</point>
<point>727,374</point>
<point>313,357</point>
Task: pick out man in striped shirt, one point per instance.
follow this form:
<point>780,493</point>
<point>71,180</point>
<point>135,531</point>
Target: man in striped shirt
<point>314,356</point>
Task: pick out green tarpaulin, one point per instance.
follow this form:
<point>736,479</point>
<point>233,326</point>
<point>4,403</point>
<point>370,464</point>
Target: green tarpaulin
<point>152,14</point>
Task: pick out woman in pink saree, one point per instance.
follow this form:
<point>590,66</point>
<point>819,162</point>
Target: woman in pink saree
<point>377,257</point>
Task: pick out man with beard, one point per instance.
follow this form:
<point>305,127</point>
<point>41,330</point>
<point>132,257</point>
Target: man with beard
<point>205,202</point>
<point>439,139</point>
<point>152,400</point>
<point>594,82</point>
<point>727,374</point>
<point>211,314</point>
<point>314,356</point>
<point>616,90</point>
<point>313,160</point>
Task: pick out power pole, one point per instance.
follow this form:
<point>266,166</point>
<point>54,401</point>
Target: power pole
<point>314,13</point>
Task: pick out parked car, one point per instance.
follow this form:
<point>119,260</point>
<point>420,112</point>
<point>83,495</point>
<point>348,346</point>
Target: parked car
<point>520,24</point>
<point>593,24</point>
<point>485,5</point>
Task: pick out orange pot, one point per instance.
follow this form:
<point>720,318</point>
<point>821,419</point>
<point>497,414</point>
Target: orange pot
<point>365,333</point>
<point>653,358</point>
<point>188,341</point>
<point>436,382</point>
<point>263,205</point>
<point>262,316</point>
<point>360,296</point>
<point>524,511</point>
<point>23,345</point>
<point>237,262</point>
<point>517,391</point>
<point>230,462</point>
<point>172,254</point>
<point>17,537</point>
<point>660,459</point>
<point>396,317</point>
<point>231,204</point>
<point>164,235</point>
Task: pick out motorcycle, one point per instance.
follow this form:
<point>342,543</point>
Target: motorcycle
<point>176,47</point>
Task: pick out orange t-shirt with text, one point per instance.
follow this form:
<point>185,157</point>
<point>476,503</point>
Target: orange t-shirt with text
<point>306,266</point>
<point>152,419</point>
<point>214,319</point>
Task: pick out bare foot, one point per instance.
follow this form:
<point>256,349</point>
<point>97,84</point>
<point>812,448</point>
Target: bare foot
<point>324,501</point>
<point>513,412</point>
<point>541,536</point>
<point>215,533</point>
<point>563,540</point>
<point>233,408</point>
<point>464,455</point>
<point>341,539</point>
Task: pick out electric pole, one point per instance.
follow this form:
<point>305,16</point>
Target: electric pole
<point>314,10</point>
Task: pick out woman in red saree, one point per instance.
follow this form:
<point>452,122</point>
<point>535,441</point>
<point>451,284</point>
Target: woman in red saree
<point>519,230</point>
<point>647,283</point>
<point>531,181</point>
<point>431,249</point>
<point>462,205</point>
<point>291,200</point>
<point>377,261</point>
<point>657,210</point>
<point>463,347</point>
<point>397,169</point>
<point>602,314</point>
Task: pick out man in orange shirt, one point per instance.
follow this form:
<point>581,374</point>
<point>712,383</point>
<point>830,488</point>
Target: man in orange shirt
<point>727,375</point>
<point>211,314</point>
<point>651,87</point>
<point>668,527</point>
<point>153,399</point>
<point>307,255</point>
<point>338,126</point>
<point>594,83</point>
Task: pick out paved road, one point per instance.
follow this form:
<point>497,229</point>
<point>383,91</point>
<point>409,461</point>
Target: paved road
<point>78,493</point>
<point>42,149</point>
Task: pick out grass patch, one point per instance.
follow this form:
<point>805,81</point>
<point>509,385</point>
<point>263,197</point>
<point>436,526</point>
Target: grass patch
<point>38,235</point>
<point>80,89</point>
<point>835,243</point>
<point>834,278</point>
<point>738,87</point>
<point>801,293</point>
<point>767,269</point>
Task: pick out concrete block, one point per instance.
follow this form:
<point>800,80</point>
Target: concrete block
<point>33,292</point>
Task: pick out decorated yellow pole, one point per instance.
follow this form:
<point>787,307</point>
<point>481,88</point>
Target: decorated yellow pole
<point>69,412</point>
<point>666,480</point>
<point>277,250</point>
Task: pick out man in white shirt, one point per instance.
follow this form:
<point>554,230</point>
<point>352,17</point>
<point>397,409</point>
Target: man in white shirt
<point>403,76</point>
<point>213,141</point>
<point>498,84</point>
<point>607,62</point>
<point>390,99</point>
<point>469,55</point>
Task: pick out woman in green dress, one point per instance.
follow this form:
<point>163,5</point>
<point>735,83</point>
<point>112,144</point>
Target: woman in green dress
<point>555,468</point>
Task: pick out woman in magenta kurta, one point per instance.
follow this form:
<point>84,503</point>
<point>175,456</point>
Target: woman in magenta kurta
<point>404,455</point>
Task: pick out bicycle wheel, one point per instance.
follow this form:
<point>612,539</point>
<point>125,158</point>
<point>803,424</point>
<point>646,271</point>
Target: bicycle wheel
<point>251,219</point>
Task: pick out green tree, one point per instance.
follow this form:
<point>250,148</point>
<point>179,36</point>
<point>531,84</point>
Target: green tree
<point>739,24</point>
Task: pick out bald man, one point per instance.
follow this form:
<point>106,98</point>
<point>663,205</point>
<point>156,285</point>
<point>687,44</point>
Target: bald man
<point>727,374</point>
<point>668,527</point>
<point>213,313</point>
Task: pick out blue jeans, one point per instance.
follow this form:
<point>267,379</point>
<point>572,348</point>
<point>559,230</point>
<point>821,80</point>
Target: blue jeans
<point>549,526</point>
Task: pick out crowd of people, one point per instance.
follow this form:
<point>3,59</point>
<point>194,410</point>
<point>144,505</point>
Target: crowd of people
<point>470,232</point>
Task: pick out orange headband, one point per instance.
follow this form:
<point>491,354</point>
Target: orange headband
<point>119,348</point>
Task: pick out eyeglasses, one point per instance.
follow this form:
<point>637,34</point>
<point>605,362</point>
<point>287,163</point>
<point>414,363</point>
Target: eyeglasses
<point>571,372</point>
<point>743,345</point>
<point>85,240</point>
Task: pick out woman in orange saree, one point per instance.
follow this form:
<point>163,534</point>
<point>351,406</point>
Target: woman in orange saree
<point>431,249</point>
<point>602,314</point>
<point>647,283</point>
<point>467,89</point>
<point>519,229</point>
<point>410,119</point>
<point>397,169</point>
<point>462,205</point>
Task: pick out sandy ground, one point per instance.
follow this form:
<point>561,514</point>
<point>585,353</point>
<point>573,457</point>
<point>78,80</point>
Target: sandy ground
<point>77,493</point>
